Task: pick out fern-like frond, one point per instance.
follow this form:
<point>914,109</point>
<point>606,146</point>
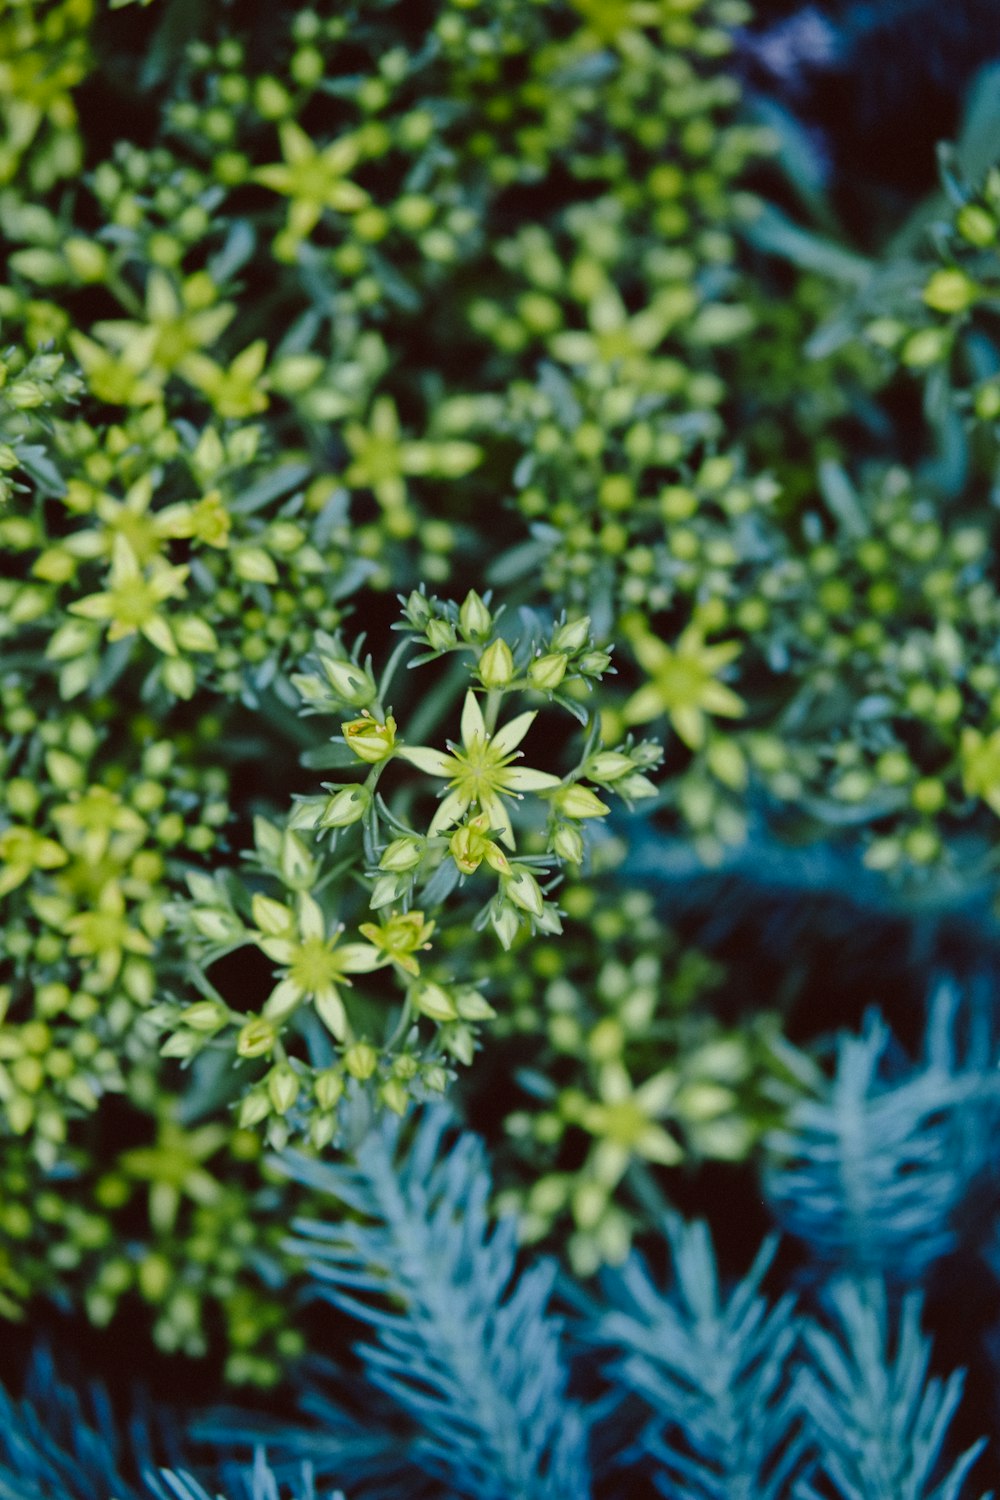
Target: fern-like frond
<point>255,1482</point>
<point>711,1369</point>
<point>56,1444</point>
<point>872,1166</point>
<point>877,1423</point>
<point>463,1345</point>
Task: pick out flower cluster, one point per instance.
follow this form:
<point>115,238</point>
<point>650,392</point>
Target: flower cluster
<point>387,890</point>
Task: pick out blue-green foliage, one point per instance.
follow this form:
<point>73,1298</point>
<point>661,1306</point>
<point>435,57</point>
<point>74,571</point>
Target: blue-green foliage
<point>711,1370</point>
<point>706,1392</point>
<point>60,1444</point>
<point>875,1164</point>
<point>464,1346</point>
<point>258,1482</point>
<point>878,1423</point>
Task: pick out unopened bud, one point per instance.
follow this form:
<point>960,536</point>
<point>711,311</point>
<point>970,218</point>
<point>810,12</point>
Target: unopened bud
<point>345,807</point>
<point>440,635</point>
<point>573,635</point>
<point>205,1015</point>
<point>547,672</point>
<point>433,1000</point>
<point>496,665</point>
<point>395,1095</point>
<point>608,765</point>
<point>328,1087</point>
<point>505,925</point>
<point>474,619</point>
<point>254,1108</point>
<point>282,1088</point>
<point>521,887</point>
<point>594,663</point>
<point>256,1038</point>
<point>371,742</point>
<point>353,684</point>
<point>361,1060</point>
<point>578,801</point>
<point>567,842</point>
<point>402,854</point>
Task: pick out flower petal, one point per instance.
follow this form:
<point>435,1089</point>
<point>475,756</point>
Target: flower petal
<point>311,920</point>
<point>498,816</point>
<point>523,779</point>
<point>645,704</point>
<point>473,723</point>
<point>434,762</point>
<point>449,812</point>
<point>359,958</point>
<point>510,736</point>
<point>283,999</point>
<point>330,1009</point>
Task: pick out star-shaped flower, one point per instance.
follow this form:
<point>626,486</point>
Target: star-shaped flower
<point>314,180</point>
<point>683,683</point>
<point>133,598</point>
<point>479,772</point>
<point>315,962</point>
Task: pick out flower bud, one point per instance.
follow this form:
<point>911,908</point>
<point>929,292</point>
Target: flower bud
<point>328,1087</point>
<point>402,854</point>
<point>273,918</point>
<point>216,924</point>
<point>435,1078</point>
<point>353,684</point>
<point>282,1088</point>
<point>472,1006</point>
<point>361,1060</point>
<point>460,1042</point>
<point>345,807</point>
<point>474,619</point>
<point>440,635</point>
<point>387,888</point>
<point>578,801</point>
<point>608,765</point>
<point>505,925</point>
<point>573,635</point>
<point>256,1038</point>
<point>205,1015</point>
<point>395,1095</point>
<point>496,665</point>
<point>371,742</point>
<point>433,1000</point>
<point>635,788</point>
<point>322,1129</point>
<point>547,672</point>
<point>298,868</point>
<point>594,663</point>
<point>254,1108</point>
<point>567,842</point>
<point>521,887</point>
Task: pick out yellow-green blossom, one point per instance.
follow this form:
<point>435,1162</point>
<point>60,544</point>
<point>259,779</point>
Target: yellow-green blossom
<point>132,601</point>
<point>315,179</point>
<point>683,683</point>
<point>22,850</point>
<point>479,772</point>
<point>401,937</point>
<point>624,1119</point>
<point>314,961</point>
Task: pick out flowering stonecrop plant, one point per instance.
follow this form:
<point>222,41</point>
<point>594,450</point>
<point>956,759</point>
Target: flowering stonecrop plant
<point>386,890</point>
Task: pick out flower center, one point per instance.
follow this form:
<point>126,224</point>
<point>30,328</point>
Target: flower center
<point>315,965</point>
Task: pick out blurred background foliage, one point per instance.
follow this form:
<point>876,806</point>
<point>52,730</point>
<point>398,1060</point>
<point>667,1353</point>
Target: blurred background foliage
<point>636,361</point>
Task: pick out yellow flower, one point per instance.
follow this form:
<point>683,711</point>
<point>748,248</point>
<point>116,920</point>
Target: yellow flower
<point>400,937</point>
<point>132,600</point>
<point>624,1117</point>
<point>314,180</point>
<point>683,683</point>
<point>315,962</point>
<point>480,771</point>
